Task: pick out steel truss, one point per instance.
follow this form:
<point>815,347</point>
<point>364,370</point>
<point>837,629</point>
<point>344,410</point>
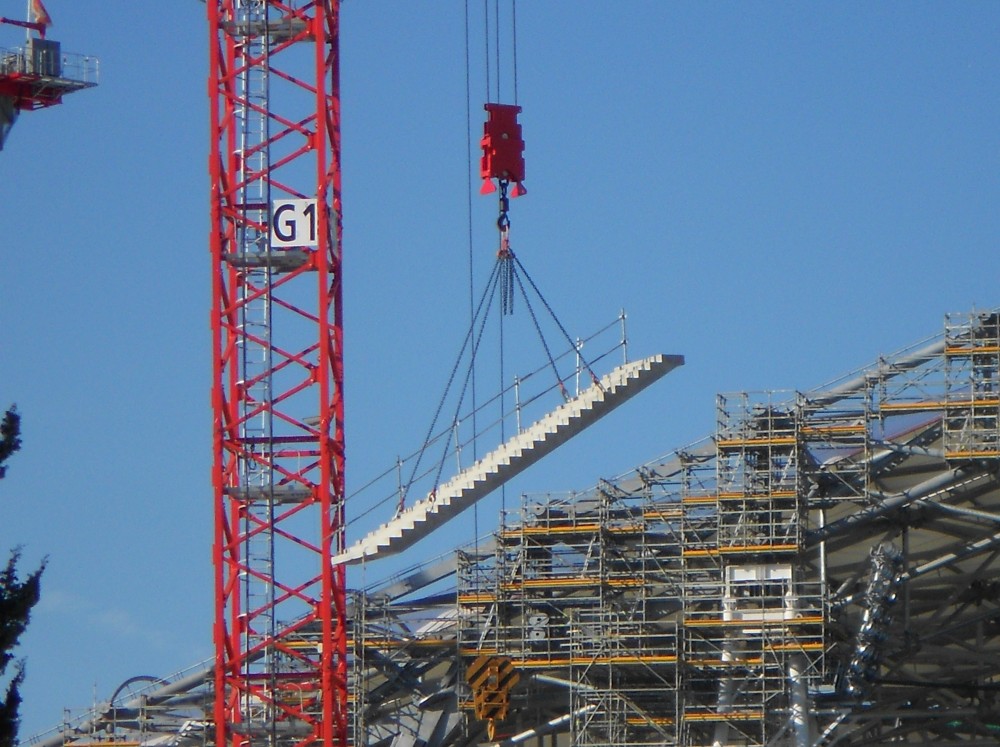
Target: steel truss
<point>280,632</point>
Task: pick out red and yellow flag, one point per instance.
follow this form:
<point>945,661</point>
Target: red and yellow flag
<point>39,14</point>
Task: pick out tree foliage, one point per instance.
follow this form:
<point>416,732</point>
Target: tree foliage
<point>17,597</point>
<point>10,437</point>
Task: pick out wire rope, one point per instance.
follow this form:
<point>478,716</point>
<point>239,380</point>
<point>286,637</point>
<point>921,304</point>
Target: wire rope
<point>468,212</point>
<point>486,19</point>
<point>496,45</point>
<point>513,12</point>
<point>468,208</point>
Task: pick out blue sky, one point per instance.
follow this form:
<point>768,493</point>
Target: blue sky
<point>779,192</point>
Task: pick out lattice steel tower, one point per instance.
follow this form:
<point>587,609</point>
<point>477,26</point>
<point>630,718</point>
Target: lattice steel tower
<point>280,637</point>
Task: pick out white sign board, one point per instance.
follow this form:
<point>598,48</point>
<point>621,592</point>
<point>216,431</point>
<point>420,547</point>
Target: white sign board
<point>293,223</point>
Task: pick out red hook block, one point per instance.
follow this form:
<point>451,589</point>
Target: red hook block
<point>503,149</point>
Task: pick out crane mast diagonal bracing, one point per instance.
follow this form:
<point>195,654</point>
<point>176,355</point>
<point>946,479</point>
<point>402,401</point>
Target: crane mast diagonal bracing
<point>279,631</point>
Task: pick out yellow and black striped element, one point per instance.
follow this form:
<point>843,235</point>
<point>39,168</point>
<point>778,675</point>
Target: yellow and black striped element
<point>491,679</point>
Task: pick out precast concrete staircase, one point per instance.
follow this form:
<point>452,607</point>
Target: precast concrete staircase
<point>509,459</point>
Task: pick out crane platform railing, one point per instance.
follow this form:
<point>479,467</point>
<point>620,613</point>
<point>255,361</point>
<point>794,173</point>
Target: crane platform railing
<point>68,67</point>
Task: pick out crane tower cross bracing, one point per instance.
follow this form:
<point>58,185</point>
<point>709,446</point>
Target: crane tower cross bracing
<point>279,629</point>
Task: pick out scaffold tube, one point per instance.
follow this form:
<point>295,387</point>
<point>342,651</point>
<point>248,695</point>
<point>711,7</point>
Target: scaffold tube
<point>547,728</point>
<point>801,722</point>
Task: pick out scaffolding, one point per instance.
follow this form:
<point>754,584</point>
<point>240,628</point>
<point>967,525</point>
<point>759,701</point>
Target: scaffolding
<point>753,620</point>
<point>972,386</point>
<point>586,591</point>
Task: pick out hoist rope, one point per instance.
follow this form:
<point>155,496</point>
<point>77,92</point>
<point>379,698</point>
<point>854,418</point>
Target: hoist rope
<point>513,12</point>
<point>486,19</point>
<point>468,206</point>
<point>496,45</point>
<point>468,212</point>
<point>492,36</point>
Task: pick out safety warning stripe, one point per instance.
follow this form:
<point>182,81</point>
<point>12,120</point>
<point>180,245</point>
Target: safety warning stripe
<point>491,679</point>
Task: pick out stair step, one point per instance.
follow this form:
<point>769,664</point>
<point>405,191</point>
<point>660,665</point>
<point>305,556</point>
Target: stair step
<point>510,459</point>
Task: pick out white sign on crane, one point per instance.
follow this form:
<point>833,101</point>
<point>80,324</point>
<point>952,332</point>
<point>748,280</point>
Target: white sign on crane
<point>293,223</point>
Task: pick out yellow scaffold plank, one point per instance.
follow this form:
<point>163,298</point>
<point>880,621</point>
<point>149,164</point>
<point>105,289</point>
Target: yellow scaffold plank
<point>718,622</point>
<point>644,720</point>
<point>588,528</point>
<point>971,350</point>
<point>404,642</point>
<point>666,513</point>
<point>545,583</point>
<point>747,661</point>
<point>562,582</point>
<point>833,430</point>
<point>961,404</point>
<point>729,443</point>
<point>911,406</point>
<point>700,553</point>
<point>482,597</point>
<point>979,454</point>
<point>476,651</point>
<point>737,550</point>
<point>699,500</point>
<point>739,496</point>
<point>731,716</point>
<point>813,646</point>
<point>566,661</point>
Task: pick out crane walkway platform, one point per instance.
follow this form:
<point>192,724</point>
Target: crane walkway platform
<point>509,459</point>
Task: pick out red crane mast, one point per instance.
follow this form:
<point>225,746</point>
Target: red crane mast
<point>277,397</point>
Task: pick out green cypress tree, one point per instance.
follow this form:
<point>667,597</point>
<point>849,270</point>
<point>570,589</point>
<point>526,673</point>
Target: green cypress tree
<point>16,600</point>
<point>10,436</point>
<point>17,597</point>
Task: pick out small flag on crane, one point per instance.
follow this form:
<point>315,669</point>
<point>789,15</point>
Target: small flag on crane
<point>40,15</point>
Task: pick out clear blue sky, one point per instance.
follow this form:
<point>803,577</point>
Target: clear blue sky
<point>778,191</point>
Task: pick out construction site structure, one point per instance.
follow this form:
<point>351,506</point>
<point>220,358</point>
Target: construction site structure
<point>823,569</point>
<point>38,75</point>
<point>830,569</point>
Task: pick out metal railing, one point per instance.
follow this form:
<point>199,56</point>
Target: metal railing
<point>66,66</point>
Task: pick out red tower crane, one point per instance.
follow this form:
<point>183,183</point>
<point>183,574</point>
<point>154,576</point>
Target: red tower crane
<point>39,74</point>
<point>278,468</point>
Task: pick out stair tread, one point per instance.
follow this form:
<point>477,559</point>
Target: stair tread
<point>509,459</point>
